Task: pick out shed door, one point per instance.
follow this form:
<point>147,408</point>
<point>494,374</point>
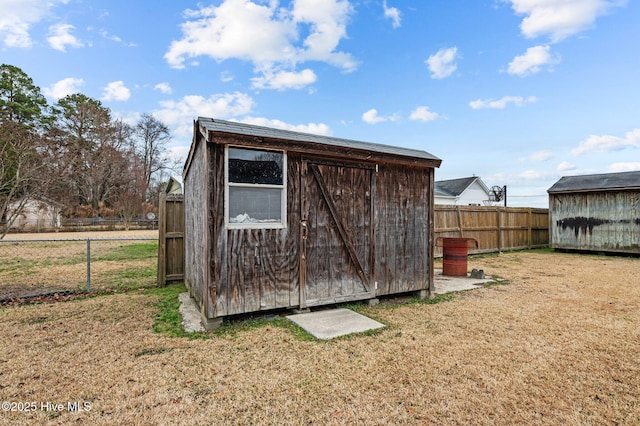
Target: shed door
<point>337,239</point>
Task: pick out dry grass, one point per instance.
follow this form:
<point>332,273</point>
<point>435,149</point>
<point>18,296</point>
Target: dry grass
<point>559,344</point>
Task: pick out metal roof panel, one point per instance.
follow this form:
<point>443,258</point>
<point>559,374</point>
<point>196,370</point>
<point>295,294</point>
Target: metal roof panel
<point>597,182</point>
<point>217,125</point>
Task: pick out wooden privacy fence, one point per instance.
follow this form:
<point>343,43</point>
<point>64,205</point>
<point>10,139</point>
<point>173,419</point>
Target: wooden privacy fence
<point>170,238</point>
<point>495,228</point>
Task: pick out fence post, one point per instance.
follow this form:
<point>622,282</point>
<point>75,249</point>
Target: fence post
<point>530,227</point>
<point>499,213</point>
<point>88,265</point>
<point>460,230</point>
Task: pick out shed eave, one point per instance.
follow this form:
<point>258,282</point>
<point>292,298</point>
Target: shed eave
<point>576,191</point>
<point>298,141</point>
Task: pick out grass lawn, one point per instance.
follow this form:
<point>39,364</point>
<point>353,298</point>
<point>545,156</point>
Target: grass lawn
<point>559,343</point>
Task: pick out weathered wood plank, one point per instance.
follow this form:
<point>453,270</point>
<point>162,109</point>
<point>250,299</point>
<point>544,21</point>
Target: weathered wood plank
<point>218,260</point>
<point>195,277</point>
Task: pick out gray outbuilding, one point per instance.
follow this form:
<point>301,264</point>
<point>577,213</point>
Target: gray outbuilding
<point>276,219</point>
<point>598,212</point>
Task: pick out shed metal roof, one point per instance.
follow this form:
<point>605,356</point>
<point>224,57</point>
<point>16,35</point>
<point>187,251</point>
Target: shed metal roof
<point>599,182</point>
<point>216,125</point>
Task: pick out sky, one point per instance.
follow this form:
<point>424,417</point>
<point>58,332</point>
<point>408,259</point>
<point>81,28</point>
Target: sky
<point>517,92</point>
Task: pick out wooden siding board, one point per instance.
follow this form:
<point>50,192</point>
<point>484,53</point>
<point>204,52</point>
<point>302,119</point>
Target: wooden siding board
<point>195,190</point>
<point>218,255</point>
<point>402,240</point>
<point>386,245</point>
<point>421,229</point>
<point>288,241</point>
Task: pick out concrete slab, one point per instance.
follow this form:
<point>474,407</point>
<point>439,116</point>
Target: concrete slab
<point>448,284</point>
<point>191,318</point>
<point>332,323</point>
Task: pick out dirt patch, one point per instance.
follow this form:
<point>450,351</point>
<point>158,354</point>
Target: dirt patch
<point>558,344</point>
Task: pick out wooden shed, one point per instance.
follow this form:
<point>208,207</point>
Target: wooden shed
<point>279,219</point>
<point>596,213</point>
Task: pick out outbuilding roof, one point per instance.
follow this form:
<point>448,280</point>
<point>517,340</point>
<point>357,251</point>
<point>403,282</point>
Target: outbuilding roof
<point>598,182</point>
<point>216,125</point>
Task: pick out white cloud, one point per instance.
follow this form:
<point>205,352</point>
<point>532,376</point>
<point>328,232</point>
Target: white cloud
<point>178,153</point>
<point>559,19</point>
<point>372,117</point>
<point>624,167</point>
<point>17,17</point>
<point>116,91</point>
<point>285,80</point>
<point>392,13</point>
<point>529,175</point>
<point>422,113</point>
<point>541,156</point>
<point>179,115</point>
<point>62,88</point>
<point>442,63</point>
<point>266,35</point>
<point>501,103</point>
<point>565,166</point>
<point>226,76</point>
<point>314,128</point>
<point>606,143</point>
<point>532,61</point>
<point>115,38</point>
<point>60,37</point>
<point>164,87</point>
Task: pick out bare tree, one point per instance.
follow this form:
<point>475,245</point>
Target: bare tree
<point>150,147</point>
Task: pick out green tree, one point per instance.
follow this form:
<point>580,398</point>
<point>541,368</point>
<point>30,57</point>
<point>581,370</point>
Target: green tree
<point>95,166</point>
<point>23,121</point>
<point>20,99</point>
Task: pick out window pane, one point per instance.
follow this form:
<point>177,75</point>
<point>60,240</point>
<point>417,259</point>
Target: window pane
<point>254,205</point>
<point>253,166</point>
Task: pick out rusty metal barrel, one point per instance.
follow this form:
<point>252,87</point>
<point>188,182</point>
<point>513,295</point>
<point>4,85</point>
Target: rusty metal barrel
<point>455,255</point>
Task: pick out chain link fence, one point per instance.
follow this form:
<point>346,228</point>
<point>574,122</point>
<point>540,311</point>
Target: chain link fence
<point>34,225</point>
<point>36,267</point>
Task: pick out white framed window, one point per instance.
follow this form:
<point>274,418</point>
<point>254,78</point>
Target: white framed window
<point>255,188</point>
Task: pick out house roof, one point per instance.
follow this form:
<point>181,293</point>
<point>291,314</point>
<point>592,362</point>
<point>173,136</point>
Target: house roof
<point>215,125</point>
<point>599,182</point>
<point>455,187</point>
<point>174,185</point>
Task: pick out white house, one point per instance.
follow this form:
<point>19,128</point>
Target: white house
<point>34,214</point>
<point>175,185</point>
<point>470,191</point>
